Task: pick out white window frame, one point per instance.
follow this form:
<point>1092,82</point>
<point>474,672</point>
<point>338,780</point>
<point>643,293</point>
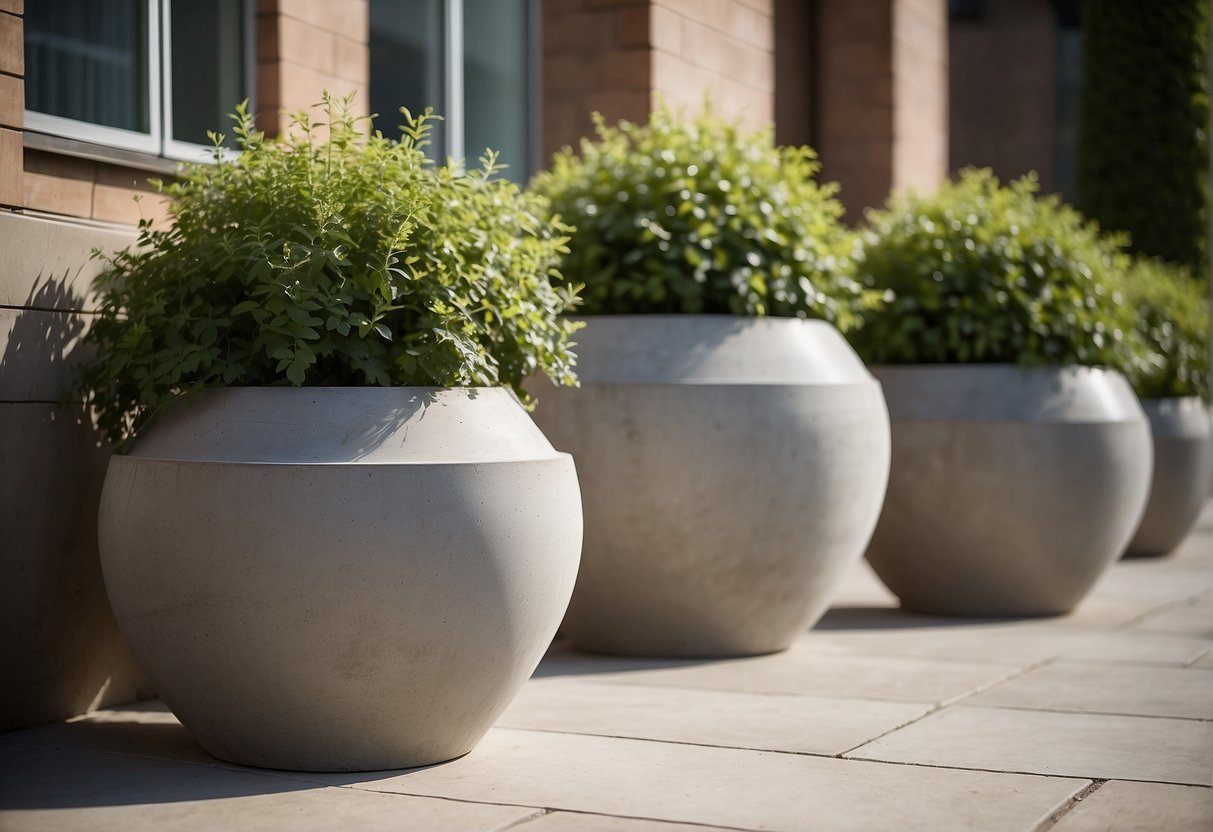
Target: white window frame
<point>159,141</point>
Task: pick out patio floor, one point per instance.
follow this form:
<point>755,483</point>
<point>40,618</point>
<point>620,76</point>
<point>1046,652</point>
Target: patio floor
<point>875,720</point>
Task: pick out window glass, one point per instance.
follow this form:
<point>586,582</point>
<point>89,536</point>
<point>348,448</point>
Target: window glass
<point>407,60</point>
<point>495,82</point>
<point>206,45</point>
<point>88,60</point>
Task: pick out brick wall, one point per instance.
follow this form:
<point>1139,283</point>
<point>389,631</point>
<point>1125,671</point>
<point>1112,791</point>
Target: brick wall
<point>12,100</point>
<point>1003,104</point>
<point>881,96</point>
<point>920,94</point>
<point>725,48</point>
<point>614,56</point>
<point>305,47</point>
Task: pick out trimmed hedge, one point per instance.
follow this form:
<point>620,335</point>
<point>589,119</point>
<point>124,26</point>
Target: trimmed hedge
<point>1143,155</point>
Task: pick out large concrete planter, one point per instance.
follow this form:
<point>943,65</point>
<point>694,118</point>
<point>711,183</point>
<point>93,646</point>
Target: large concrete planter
<point>731,469</point>
<point>1183,466</point>
<point>340,578</point>
<point>1012,489</point>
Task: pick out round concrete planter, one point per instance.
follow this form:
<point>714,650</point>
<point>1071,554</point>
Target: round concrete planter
<point>1183,466</point>
<point>731,469</point>
<point>339,579</point>
<point>1012,489</point>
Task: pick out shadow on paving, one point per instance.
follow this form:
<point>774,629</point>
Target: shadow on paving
<point>141,755</point>
<point>894,618</point>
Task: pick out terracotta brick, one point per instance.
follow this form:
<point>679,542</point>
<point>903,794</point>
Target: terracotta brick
<point>591,31</point>
<point>10,167</point>
<point>12,102</point>
<point>56,164</point>
<point>124,177</point>
<point>12,44</point>
<point>632,27</point>
<point>56,195</point>
<point>126,206</point>
<point>625,70</point>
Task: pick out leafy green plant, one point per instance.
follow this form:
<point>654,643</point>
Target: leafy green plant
<point>328,257</point>
<point>983,273</point>
<point>1170,331</point>
<point>701,216</point>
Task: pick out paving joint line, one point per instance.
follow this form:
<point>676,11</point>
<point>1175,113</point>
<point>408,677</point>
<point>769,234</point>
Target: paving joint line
<point>1074,712</point>
<point>939,706</point>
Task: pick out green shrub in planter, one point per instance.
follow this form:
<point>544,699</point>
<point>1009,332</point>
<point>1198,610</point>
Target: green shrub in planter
<point>701,216</point>
<point>1170,333</point>
<point>982,273</point>
<point>330,258</point>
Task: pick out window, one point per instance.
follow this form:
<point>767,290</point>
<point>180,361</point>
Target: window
<point>145,75</point>
<point>473,61</point>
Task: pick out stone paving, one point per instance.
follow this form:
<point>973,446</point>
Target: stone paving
<point>875,720</point>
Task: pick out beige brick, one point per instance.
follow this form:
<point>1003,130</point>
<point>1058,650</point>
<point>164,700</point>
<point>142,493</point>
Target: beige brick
<point>10,167</point>
<point>12,6</point>
<point>127,206</point>
<point>724,55</point>
<point>665,29</point>
<point>348,18</point>
<point>302,86</point>
<point>305,45</point>
<point>12,102</point>
<point>57,195</point>
<point>351,60</point>
<point>12,44</point>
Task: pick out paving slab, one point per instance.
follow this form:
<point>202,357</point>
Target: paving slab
<point>1191,619</point>
<point>1141,807</point>
<point>575,822</point>
<point>803,669</point>
<point>774,722</point>
<point>727,787</point>
<point>1092,688</point>
<point>1068,744</point>
<point>1132,647</point>
<point>57,790</point>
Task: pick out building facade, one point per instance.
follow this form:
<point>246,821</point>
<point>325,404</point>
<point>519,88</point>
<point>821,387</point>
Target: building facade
<point>96,96</point>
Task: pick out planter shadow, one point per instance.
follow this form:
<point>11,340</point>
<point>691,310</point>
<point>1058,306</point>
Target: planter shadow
<point>563,660</point>
<point>895,618</point>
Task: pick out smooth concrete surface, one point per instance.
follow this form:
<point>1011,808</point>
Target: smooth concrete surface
<point>1183,473</point>
<point>340,578</point>
<point>60,651</point>
<point>713,750</point>
<point>1012,489</point>
<point>731,469</point>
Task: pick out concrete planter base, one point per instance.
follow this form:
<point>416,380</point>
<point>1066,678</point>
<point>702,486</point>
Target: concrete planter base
<point>337,579</point>
<point>731,469</point>
<point>1183,468</point>
<point>1011,489</point>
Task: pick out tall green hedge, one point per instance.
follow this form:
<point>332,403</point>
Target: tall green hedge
<point>1143,158</point>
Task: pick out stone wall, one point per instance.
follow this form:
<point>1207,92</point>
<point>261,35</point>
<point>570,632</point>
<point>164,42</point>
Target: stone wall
<point>60,650</point>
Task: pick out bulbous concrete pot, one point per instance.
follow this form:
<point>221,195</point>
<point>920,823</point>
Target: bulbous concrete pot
<point>1012,489</point>
<point>1183,467</point>
<point>731,469</point>
<point>340,579</point>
